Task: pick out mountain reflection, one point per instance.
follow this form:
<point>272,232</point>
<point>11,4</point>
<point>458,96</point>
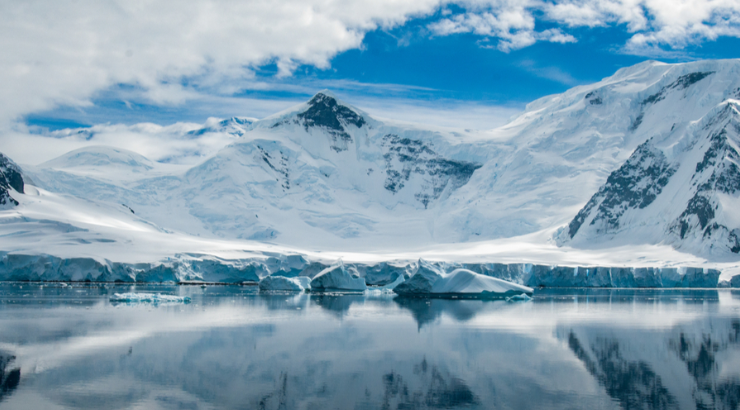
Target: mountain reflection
<point>10,377</point>
<point>632,383</point>
<point>637,369</point>
<point>235,348</point>
<point>440,390</point>
<point>701,362</point>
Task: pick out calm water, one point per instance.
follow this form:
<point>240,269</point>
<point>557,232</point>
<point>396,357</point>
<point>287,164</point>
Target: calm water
<point>69,347</point>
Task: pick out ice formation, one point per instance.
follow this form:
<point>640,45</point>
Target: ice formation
<point>155,298</point>
<point>282,283</point>
<point>422,281</point>
<point>337,279</point>
<point>468,283</point>
<point>522,297</point>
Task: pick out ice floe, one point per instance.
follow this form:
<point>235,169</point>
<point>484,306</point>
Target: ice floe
<point>156,298</point>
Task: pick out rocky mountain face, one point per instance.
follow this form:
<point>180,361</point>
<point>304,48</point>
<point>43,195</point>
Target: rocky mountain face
<point>10,179</point>
<point>682,187</point>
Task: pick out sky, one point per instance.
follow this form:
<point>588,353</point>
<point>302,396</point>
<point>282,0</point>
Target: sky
<point>467,64</point>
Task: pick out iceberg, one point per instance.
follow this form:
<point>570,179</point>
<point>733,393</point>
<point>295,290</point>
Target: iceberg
<point>421,283</point>
<point>383,273</point>
<point>386,289</point>
<point>284,284</point>
<point>523,297</point>
<point>155,298</point>
<point>463,282</point>
<point>337,279</point>
<point>430,281</point>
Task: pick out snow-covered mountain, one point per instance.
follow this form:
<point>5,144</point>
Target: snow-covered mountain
<point>682,187</point>
<point>10,180</point>
<point>645,158</point>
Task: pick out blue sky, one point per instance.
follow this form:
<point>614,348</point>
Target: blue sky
<point>408,70</point>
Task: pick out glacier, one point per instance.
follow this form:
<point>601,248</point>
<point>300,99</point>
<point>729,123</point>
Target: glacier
<point>627,182</point>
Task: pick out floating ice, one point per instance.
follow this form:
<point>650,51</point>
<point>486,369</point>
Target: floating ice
<point>519,298</point>
<point>430,281</point>
<point>337,278</point>
<point>421,282</point>
<point>387,289</point>
<point>155,298</point>
<point>399,280</point>
<point>466,282</point>
<point>283,284</point>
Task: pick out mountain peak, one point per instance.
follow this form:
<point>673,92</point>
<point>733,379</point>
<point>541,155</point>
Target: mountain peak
<point>10,177</point>
<point>325,111</point>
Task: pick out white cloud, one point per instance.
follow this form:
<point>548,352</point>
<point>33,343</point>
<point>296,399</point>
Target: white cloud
<point>550,73</point>
<point>451,114</point>
<point>171,143</point>
<point>59,52</point>
<point>64,53</point>
<point>655,23</point>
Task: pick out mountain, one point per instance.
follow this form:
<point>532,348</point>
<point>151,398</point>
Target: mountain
<point>640,163</point>
<point>10,180</point>
<point>680,187</point>
<point>235,126</point>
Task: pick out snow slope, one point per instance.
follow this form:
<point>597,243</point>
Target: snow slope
<point>682,188</point>
<point>325,179</point>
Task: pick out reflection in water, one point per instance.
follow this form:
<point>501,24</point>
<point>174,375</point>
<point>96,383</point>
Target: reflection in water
<point>9,376</point>
<point>702,364</point>
<point>440,391</point>
<point>235,348</point>
<point>336,303</point>
<point>427,311</point>
<point>632,383</point>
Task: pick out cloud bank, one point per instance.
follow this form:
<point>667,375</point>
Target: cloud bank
<point>63,53</point>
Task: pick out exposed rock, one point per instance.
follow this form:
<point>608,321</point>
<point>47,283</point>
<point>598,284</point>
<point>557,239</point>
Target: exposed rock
<point>406,157</point>
<point>324,111</point>
<point>635,185</point>
<point>10,178</point>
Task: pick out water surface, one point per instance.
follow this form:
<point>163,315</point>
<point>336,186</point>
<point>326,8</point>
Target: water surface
<point>70,347</point>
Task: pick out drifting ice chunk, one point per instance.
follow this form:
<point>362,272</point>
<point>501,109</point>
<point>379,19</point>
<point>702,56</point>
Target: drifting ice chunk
<point>337,278</point>
<point>519,298</point>
<point>468,283</point>
<point>155,298</point>
<point>383,273</point>
<point>422,281</point>
<point>387,289</point>
<point>399,280</point>
<point>282,283</point>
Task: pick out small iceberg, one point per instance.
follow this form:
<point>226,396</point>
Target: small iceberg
<point>519,298</point>
<point>155,298</point>
<point>284,284</point>
<point>387,289</point>
<point>466,282</point>
<point>337,279</point>
<point>461,283</point>
<point>422,281</point>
